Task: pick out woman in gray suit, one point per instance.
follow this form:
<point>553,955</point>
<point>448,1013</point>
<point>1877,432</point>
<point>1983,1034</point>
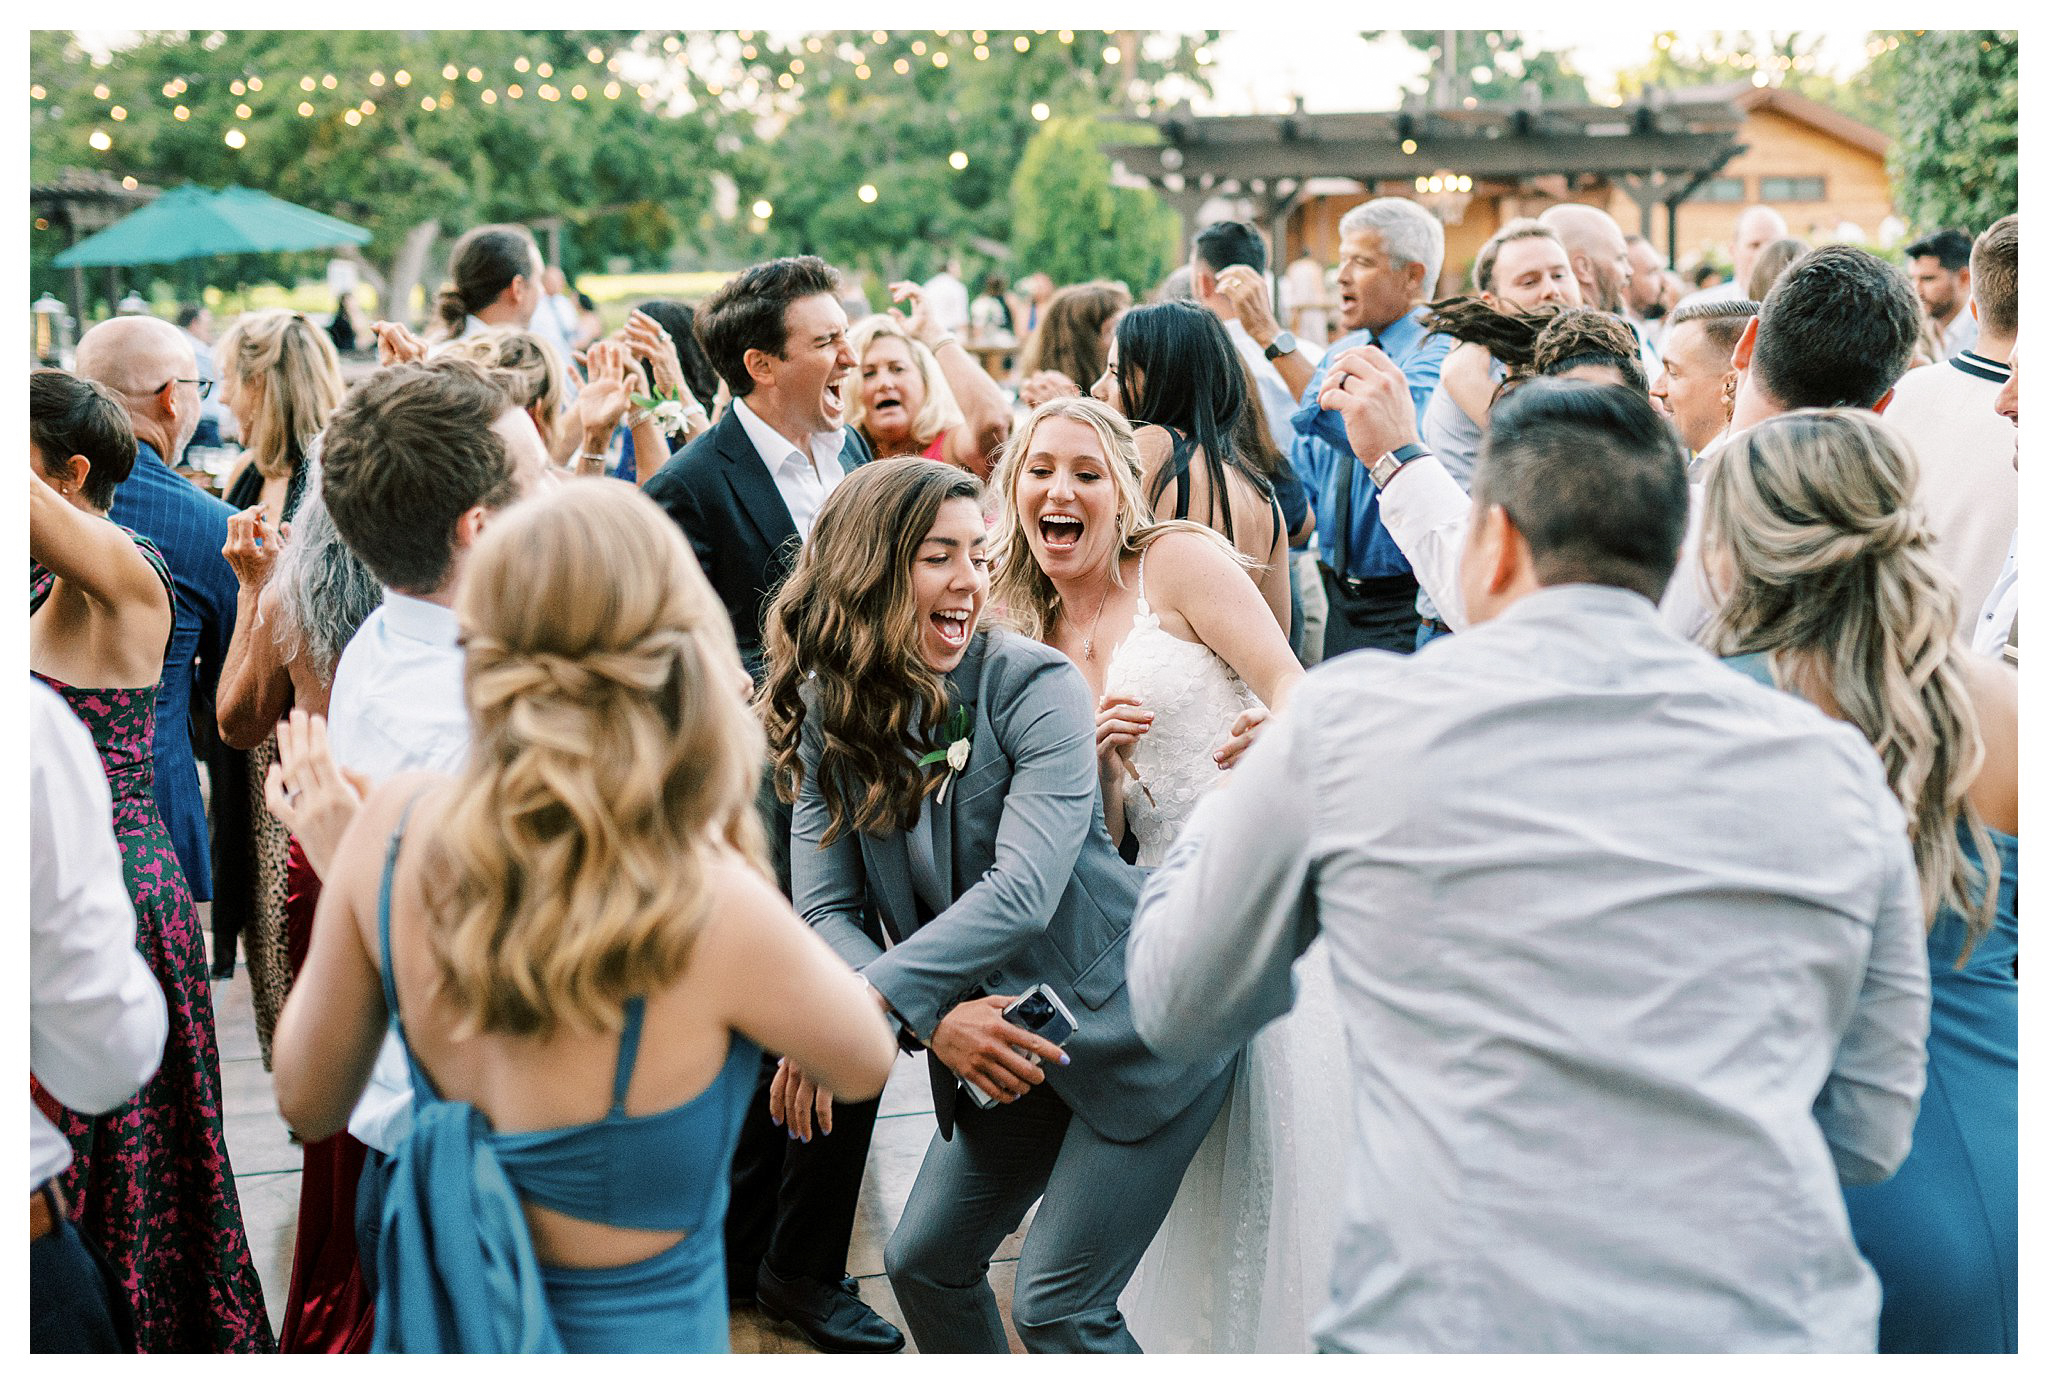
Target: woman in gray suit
<point>948,840</point>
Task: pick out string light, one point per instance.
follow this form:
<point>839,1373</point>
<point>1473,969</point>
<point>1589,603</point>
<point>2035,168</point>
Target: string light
<point>329,82</point>
<point>863,72</point>
<point>307,84</point>
<point>902,66</point>
<point>427,103</point>
<point>306,108</point>
<point>981,52</point>
<point>515,91</point>
<point>36,93</point>
<point>868,193</point>
<point>796,65</point>
<point>129,182</point>
<point>918,47</point>
<point>958,158</point>
<point>475,74</point>
<point>1066,36</point>
<point>376,79</point>
<point>764,208</point>
<point>237,87</point>
<point>119,112</point>
<point>234,139</point>
<point>671,44</point>
<point>101,140</point>
<point>490,97</point>
<point>596,55</point>
<point>785,81</point>
<point>881,36</point>
<point>402,77</point>
<point>1112,55</point>
<point>940,60</point>
<point>1021,44</point>
<point>612,90</point>
<point>255,84</point>
<point>242,112</point>
<point>368,107</point>
<point>181,113</point>
<point>1407,146</point>
<point>1041,111</point>
<point>520,64</point>
<point>100,92</point>
<point>547,92</point>
<point>579,91</point>
<point>352,117</point>
<point>544,70</point>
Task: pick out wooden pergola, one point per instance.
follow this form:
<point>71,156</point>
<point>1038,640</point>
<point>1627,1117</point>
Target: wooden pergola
<point>1659,151</point>
<point>78,202</point>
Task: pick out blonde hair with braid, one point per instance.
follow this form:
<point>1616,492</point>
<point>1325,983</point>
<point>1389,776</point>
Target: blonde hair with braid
<point>293,366</point>
<point>613,759</point>
<point>1834,579</point>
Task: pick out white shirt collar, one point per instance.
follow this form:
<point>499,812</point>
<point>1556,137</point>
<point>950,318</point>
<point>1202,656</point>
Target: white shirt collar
<point>777,451</point>
<point>412,618</point>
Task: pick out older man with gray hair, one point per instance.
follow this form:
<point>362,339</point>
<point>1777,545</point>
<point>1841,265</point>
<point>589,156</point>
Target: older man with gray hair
<point>150,365</point>
<point>1390,252</point>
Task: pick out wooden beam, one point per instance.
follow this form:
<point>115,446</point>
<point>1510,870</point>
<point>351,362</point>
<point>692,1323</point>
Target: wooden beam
<point>1606,156</point>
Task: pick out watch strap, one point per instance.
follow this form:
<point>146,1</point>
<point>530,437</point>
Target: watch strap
<point>1389,465</point>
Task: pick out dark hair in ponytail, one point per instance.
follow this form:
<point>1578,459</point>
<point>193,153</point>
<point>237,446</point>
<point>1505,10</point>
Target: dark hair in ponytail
<point>482,266</point>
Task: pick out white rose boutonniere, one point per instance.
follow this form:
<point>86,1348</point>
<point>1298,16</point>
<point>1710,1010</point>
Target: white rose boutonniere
<point>960,735</point>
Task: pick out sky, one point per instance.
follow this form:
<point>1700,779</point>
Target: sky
<point>1333,69</point>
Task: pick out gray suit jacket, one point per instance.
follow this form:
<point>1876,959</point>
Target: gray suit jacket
<point>1037,891</point>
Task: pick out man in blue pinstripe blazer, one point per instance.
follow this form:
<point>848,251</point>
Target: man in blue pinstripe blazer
<point>149,363</point>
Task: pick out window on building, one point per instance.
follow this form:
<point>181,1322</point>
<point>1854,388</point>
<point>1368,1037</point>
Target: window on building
<point>1792,189</point>
<point>1721,190</point>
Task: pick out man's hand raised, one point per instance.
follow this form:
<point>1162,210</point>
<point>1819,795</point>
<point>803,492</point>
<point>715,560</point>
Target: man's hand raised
<point>1370,394</point>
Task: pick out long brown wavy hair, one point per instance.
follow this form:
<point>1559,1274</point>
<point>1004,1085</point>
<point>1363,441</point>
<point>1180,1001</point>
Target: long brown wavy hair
<point>1835,579</point>
<point>613,759</point>
<point>294,365</point>
<point>844,627</point>
<point>1069,335</point>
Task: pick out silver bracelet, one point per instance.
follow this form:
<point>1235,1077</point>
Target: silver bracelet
<point>943,342</point>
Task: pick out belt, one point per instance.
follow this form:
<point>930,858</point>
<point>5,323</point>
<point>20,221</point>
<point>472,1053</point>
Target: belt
<point>46,1211</point>
<point>1395,585</point>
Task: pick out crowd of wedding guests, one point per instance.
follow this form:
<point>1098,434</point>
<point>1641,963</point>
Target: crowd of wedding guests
<point>620,749</point>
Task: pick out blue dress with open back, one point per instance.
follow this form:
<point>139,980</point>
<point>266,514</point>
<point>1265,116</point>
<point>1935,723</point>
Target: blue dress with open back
<point>456,1264</point>
<point>1943,1231</point>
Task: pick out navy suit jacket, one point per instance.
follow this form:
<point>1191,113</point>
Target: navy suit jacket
<point>719,490</point>
<point>189,527</point>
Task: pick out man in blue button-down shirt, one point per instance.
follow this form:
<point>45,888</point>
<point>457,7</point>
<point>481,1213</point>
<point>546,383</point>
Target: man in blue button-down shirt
<point>1390,251</point>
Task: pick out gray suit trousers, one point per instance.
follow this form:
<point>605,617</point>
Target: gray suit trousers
<point>1103,1204</point>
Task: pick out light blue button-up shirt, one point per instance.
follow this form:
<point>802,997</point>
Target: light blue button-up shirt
<point>1631,961</point>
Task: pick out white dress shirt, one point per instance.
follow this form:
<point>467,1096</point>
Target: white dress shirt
<point>1427,513</point>
<point>1968,487</point>
<point>397,706</point>
<point>1616,1032</point>
<point>803,486</point>
<point>1961,332</point>
<point>96,1021</point>
<point>1274,395</point>
<point>1993,629</point>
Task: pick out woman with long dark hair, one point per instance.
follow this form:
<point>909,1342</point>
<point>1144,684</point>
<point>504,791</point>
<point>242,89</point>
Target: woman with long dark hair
<point>1174,374</point>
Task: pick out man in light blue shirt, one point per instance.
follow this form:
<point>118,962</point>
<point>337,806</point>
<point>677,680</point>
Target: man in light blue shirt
<point>1629,951</point>
<point>1391,251</point>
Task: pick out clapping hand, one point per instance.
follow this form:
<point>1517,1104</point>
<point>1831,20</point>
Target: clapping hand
<point>1250,299</point>
<point>1046,384</point>
<point>396,345</point>
<point>919,326</point>
<point>253,546</point>
<point>1370,394</point>
<point>606,393</point>
<point>648,339</point>
<point>312,795</point>
<point>980,1046</point>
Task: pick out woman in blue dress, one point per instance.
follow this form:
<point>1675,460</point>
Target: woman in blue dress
<point>1832,593</point>
<point>576,940</point>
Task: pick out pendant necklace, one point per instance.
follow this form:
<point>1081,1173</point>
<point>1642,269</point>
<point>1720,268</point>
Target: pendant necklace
<point>1088,644</point>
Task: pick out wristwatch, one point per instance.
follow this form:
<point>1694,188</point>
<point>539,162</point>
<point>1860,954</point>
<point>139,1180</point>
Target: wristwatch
<point>1389,465</point>
<point>1282,345</point>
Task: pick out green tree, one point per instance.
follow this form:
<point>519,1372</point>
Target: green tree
<point>1074,224</point>
<point>1955,101</point>
<point>1786,59</point>
<point>372,127</point>
<point>936,146</point>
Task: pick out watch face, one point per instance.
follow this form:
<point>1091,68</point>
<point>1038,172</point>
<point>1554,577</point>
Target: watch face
<point>1282,344</point>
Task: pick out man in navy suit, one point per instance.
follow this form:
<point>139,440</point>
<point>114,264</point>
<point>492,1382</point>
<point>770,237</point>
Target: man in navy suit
<point>150,365</point>
<point>745,494</point>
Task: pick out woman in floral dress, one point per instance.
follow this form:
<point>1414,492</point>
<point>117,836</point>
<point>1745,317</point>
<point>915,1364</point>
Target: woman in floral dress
<point>149,1182</point>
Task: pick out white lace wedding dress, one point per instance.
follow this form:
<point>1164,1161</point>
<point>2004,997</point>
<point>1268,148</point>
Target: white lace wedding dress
<point>1242,1263</point>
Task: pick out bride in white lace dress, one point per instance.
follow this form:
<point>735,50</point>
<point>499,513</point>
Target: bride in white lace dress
<point>1177,643</point>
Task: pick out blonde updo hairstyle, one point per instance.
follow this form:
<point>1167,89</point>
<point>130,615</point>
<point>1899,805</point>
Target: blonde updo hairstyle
<point>1834,578</point>
<point>534,373</point>
<point>613,759</point>
<point>940,411</point>
<point>293,366</point>
<point>1020,589</point>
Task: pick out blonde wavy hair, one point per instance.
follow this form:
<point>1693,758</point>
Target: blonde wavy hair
<point>534,373</point>
<point>940,412</point>
<point>1835,580</point>
<point>613,760</point>
<point>1020,591</point>
<point>294,367</point>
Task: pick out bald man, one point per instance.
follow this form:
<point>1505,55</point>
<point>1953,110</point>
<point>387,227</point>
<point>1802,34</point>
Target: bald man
<point>1757,227</point>
<point>1600,260</point>
<point>149,364</point>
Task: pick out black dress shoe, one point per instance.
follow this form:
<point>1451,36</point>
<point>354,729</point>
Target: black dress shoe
<point>830,1316</point>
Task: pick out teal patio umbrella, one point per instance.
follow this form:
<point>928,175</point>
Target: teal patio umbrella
<point>193,222</point>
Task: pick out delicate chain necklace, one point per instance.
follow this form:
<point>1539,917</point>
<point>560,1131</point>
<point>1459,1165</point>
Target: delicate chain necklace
<point>1088,644</point>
